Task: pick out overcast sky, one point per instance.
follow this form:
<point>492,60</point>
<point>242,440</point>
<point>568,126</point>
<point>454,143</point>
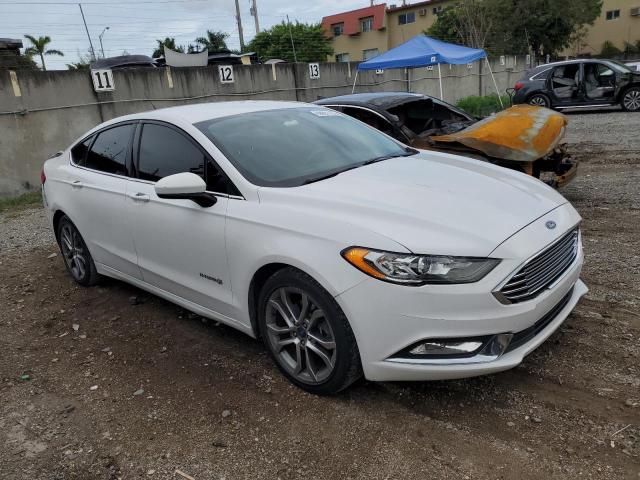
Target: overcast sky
<point>134,25</point>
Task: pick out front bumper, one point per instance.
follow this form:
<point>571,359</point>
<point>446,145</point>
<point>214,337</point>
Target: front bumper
<point>387,318</point>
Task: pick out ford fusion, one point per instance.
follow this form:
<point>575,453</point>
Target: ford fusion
<point>347,252</point>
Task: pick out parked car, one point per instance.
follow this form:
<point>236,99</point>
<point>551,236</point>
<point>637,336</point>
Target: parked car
<point>348,252</point>
<point>580,83</point>
<point>523,138</point>
<point>123,61</point>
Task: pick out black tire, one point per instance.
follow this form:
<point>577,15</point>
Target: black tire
<point>630,101</point>
<point>539,100</point>
<point>76,255</point>
<point>346,367</point>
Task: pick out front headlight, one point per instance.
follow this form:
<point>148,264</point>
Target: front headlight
<point>411,269</point>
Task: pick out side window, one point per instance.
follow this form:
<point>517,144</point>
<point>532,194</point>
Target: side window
<point>79,152</point>
<point>164,152</point>
<point>109,152</point>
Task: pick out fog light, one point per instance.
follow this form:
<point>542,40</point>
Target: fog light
<point>443,347</point>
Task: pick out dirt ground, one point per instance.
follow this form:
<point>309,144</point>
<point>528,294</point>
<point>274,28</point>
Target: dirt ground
<point>109,382</point>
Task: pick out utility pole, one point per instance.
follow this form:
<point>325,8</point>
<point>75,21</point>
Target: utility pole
<point>239,25</point>
<point>93,52</point>
<point>295,57</point>
<point>254,12</point>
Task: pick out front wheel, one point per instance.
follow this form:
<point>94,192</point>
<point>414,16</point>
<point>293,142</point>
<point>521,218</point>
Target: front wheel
<point>539,100</point>
<point>75,253</point>
<point>307,334</point>
<point>631,100</point>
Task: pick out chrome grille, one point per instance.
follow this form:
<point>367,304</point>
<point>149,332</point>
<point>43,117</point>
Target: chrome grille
<point>542,270</point>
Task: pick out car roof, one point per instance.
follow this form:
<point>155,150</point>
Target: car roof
<point>379,99</point>
<point>569,62</point>
<point>200,112</point>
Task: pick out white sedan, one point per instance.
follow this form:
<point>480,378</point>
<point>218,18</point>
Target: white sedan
<point>346,251</point>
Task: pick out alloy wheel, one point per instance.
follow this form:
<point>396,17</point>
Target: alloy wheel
<point>73,252</point>
<point>300,335</point>
<point>632,100</point>
<point>538,101</point>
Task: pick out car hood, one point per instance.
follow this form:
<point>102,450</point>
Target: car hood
<point>522,133</point>
<point>431,203</point>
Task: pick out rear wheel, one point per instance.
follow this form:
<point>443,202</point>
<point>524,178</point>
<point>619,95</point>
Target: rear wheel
<point>307,333</point>
<point>539,100</point>
<point>631,100</point>
<point>75,253</point>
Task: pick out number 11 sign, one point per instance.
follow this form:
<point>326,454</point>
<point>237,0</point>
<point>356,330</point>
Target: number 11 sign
<point>102,80</point>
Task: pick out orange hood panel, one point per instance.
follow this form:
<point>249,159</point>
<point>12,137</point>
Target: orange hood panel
<point>522,132</point>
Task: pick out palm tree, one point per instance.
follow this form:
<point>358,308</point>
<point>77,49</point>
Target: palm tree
<point>168,42</point>
<point>39,47</point>
<point>214,41</point>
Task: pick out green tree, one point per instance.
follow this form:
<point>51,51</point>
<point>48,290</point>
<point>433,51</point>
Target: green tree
<point>213,42</point>
<point>168,42</point>
<point>609,50</point>
<point>39,47</point>
<point>311,45</point>
<point>516,26</point>
<point>468,22</point>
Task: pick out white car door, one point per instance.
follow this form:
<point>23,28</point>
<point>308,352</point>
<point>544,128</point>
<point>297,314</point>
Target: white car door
<point>180,245</point>
<point>97,186</point>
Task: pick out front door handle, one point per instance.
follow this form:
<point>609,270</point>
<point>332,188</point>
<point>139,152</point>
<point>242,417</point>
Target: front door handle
<point>140,197</point>
<point>77,184</point>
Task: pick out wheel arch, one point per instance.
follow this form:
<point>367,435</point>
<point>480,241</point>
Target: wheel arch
<point>57,216</point>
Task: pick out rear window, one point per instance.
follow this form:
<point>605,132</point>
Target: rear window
<point>538,73</point>
<point>109,152</point>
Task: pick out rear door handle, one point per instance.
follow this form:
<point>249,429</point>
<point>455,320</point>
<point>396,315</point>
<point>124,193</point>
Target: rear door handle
<point>140,197</point>
<point>77,184</point>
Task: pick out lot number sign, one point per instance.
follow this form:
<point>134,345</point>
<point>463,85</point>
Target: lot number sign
<point>102,80</point>
<point>226,73</point>
<point>314,71</point>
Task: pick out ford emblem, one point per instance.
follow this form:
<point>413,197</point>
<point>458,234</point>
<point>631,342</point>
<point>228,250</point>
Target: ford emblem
<point>550,224</point>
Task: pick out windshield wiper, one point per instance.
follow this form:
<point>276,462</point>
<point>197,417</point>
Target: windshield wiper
<point>407,153</point>
<point>329,175</point>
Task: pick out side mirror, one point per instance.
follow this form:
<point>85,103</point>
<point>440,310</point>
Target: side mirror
<point>185,186</point>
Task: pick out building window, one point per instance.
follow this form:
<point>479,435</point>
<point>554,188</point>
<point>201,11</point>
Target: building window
<point>338,29</point>
<point>405,18</point>
<point>342,57</point>
<point>437,10</point>
<point>366,24</point>
<point>613,14</point>
<point>369,53</point>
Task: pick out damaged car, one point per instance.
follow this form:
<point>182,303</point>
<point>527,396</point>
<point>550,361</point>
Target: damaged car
<point>523,137</point>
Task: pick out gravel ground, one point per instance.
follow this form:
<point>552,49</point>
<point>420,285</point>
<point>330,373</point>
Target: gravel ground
<point>24,229</point>
<point>109,382</point>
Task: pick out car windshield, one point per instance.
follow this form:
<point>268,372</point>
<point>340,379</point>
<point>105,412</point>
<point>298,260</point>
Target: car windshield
<point>294,146</point>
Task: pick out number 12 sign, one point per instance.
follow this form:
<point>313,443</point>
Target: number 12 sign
<point>226,73</point>
<point>102,80</point>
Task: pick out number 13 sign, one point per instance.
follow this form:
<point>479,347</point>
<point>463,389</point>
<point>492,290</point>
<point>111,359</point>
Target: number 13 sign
<point>102,80</point>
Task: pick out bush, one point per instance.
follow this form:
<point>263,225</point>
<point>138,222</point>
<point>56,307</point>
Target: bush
<point>483,106</point>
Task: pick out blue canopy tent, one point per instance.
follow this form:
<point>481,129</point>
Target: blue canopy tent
<point>423,51</point>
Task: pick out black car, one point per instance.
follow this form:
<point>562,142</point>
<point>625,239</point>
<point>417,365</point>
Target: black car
<point>580,83</point>
<point>428,123</point>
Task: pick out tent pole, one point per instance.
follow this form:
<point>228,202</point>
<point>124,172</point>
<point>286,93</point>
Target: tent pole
<point>495,84</point>
<point>353,90</point>
<point>440,78</point>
